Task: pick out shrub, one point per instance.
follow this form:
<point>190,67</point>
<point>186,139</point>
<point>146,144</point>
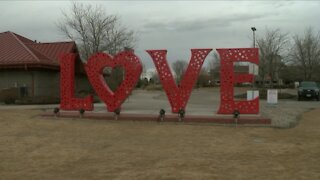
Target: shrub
<point>153,87</point>
<point>9,100</point>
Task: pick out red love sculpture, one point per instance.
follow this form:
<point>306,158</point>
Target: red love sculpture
<point>228,78</point>
<point>178,95</point>
<point>94,68</point>
<point>68,101</point>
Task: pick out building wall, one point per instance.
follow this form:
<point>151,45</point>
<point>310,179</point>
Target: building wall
<point>38,83</point>
<point>15,78</point>
<point>46,83</point>
<point>82,85</point>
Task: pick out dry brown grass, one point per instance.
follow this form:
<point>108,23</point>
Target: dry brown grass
<point>35,148</point>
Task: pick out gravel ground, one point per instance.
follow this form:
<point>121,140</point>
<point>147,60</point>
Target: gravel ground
<point>287,113</point>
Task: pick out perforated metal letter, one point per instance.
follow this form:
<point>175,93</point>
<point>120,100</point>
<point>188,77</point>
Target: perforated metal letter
<point>178,95</point>
<point>228,78</point>
<point>94,68</point>
<point>67,99</point>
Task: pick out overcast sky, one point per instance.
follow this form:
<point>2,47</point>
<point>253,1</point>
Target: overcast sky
<point>176,26</point>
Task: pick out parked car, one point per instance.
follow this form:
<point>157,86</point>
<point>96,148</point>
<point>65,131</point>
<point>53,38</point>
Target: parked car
<point>308,89</point>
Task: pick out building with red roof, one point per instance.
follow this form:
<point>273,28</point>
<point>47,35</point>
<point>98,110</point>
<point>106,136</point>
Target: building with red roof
<point>32,65</point>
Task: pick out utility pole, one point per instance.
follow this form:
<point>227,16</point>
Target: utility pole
<point>253,66</point>
<point>254,36</point>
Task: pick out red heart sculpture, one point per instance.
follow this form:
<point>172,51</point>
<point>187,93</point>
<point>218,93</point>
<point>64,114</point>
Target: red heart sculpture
<point>94,68</point>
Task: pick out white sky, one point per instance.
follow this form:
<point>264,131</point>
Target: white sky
<point>176,26</point>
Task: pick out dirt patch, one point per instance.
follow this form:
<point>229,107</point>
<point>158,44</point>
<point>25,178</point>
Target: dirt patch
<point>35,148</point>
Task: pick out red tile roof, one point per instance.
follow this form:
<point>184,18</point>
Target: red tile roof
<point>20,52</point>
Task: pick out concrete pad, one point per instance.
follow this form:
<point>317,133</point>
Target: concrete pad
<point>226,119</point>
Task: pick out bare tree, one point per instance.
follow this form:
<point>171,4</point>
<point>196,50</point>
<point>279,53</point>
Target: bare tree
<point>215,61</point>
<point>272,49</point>
<point>154,79</point>
<point>95,31</point>
<point>204,78</point>
<point>306,53</point>
<point>179,67</point>
<point>214,67</point>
